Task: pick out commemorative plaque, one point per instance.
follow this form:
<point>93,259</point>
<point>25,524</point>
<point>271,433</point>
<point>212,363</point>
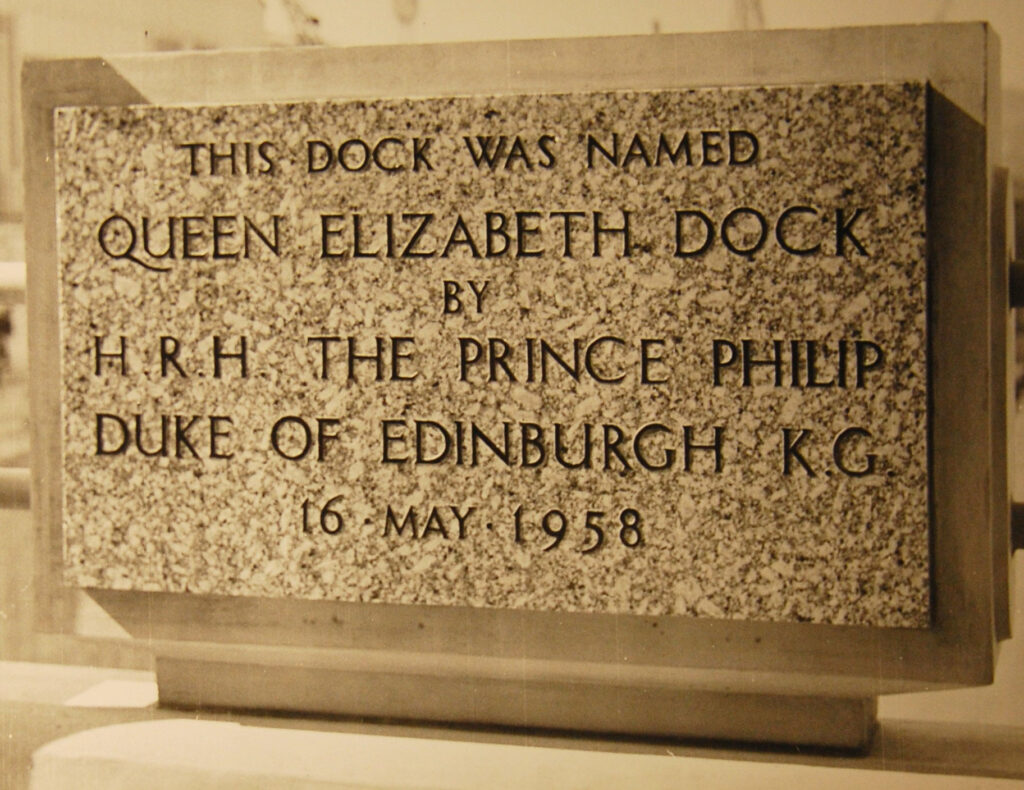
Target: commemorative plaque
<point>501,383</point>
<point>654,353</point>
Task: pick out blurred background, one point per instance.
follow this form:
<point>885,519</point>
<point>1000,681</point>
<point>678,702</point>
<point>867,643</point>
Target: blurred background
<point>69,28</point>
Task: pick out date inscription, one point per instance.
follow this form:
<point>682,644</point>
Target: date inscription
<point>587,532</point>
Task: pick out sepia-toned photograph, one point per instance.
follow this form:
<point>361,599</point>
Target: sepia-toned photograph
<point>432,394</point>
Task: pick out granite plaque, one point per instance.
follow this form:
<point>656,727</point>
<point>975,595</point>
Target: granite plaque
<point>653,353</point>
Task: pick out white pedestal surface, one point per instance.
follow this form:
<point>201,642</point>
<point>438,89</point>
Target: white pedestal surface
<point>209,754</point>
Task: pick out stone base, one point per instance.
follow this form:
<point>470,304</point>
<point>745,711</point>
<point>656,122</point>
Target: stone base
<point>381,692</point>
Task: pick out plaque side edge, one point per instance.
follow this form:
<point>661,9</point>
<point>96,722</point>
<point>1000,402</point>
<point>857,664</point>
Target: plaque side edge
<point>45,86</point>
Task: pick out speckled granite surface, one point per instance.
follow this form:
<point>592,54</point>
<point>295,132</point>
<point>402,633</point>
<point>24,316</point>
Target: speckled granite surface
<point>833,529</point>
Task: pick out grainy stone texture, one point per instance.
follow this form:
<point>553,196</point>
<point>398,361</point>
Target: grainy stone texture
<point>746,542</point>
